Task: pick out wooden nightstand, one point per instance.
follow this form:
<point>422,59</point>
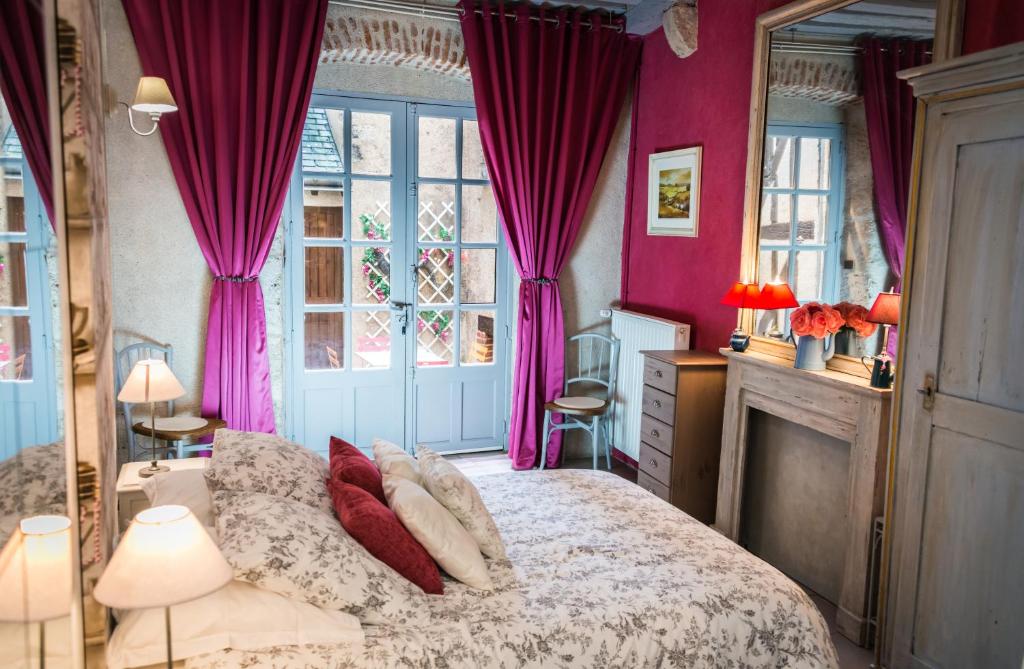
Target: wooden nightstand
<point>131,499</point>
<point>681,428</point>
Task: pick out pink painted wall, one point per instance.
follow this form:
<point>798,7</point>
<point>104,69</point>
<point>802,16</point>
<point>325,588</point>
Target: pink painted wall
<point>704,100</point>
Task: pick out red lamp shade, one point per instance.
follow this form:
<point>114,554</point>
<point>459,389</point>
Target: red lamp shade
<point>886,309</point>
<point>777,296</point>
<point>743,296</point>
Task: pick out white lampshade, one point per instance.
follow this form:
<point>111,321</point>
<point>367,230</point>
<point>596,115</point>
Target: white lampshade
<point>150,381</point>
<point>165,558</point>
<point>35,571</point>
<point>153,97</point>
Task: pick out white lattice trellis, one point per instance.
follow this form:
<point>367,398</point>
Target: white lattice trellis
<point>440,341</point>
<point>432,223</point>
<point>436,271</point>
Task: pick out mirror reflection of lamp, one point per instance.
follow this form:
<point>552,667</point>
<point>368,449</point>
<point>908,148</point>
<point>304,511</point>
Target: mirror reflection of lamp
<point>886,312</point>
<point>152,97</point>
<point>742,296</point>
<point>775,296</point>
<point>35,574</point>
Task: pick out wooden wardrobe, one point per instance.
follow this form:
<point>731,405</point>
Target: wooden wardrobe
<point>956,571</point>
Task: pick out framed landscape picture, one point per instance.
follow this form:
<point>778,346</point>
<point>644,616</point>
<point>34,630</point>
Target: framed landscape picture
<point>673,192</point>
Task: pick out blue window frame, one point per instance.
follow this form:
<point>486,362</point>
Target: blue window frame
<point>801,210</point>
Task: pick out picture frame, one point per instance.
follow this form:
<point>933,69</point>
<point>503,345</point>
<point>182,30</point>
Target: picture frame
<point>673,192</point>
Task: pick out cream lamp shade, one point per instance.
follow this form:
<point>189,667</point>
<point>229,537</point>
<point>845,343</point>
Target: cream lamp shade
<point>150,381</point>
<point>166,557</point>
<point>153,97</point>
<point>35,571</point>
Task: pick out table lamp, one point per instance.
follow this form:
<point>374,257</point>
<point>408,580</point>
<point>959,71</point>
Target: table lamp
<point>742,296</point>
<point>151,381</point>
<point>886,312</point>
<point>35,574</point>
<point>164,558</point>
<point>774,296</point>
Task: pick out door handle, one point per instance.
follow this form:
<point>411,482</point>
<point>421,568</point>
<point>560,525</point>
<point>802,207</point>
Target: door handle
<point>399,306</point>
<point>402,313</point>
<point>927,390</point>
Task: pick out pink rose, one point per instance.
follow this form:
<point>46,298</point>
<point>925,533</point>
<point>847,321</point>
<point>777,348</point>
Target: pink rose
<point>819,325</point>
<point>800,322</point>
<point>833,319</point>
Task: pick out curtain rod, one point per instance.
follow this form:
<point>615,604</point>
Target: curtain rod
<point>409,8</point>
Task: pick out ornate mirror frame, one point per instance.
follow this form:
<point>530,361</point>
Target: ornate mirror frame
<point>948,33</point>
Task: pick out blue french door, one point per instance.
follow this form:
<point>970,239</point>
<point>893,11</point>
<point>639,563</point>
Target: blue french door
<point>397,307</point>
<point>28,415</point>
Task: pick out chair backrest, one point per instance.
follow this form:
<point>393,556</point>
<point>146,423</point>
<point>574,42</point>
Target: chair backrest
<point>592,359</point>
<point>124,361</point>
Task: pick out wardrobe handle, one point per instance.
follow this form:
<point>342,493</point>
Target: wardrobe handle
<point>654,463</point>
<point>657,404</point>
<point>657,373</point>
<point>654,433</point>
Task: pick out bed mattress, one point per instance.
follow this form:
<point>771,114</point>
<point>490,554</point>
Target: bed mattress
<point>600,573</point>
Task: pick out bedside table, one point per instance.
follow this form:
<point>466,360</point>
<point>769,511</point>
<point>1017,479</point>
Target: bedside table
<point>131,499</point>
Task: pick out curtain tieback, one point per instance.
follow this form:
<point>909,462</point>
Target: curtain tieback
<point>236,279</point>
<point>543,281</point>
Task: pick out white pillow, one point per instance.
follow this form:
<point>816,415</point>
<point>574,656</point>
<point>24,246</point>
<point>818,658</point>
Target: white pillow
<point>392,460</point>
<point>439,532</point>
<point>239,616</point>
<point>455,492</point>
<point>267,463</point>
<point>292,549</point>
<point>186,487</point>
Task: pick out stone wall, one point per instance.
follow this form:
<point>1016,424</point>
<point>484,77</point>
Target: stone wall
<point>161,284</point>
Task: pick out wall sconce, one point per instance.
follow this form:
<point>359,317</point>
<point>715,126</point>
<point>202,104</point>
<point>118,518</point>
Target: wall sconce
<point>151,97</point>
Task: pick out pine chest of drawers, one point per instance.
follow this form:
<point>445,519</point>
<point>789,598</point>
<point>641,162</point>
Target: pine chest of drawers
<point>681,429</point>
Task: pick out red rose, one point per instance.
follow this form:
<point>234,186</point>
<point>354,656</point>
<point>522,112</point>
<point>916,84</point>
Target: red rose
<point>833,319</point>
<point>800,322</point>
<point>819,325</point>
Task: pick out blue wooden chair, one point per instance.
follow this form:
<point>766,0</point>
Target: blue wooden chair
<point>588,398</point>
<point>124,361</point>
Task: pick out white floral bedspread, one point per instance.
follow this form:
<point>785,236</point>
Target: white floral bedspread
<point>600,573</point>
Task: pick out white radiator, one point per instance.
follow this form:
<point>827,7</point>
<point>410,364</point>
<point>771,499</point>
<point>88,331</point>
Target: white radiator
<point>638,332</point>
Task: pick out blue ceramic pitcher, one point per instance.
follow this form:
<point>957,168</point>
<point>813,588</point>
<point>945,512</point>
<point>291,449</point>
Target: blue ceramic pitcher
<point>812,354</point>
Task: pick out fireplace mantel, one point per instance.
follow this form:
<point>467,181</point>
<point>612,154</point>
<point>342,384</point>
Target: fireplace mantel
<point>840,405</point>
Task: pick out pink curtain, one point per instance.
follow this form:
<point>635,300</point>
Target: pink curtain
<point>242,73</point>
<point>889,109</point>
<point>549,84</point>
<point>23,84</point>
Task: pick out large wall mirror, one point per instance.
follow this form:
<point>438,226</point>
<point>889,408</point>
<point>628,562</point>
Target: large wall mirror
<point>830,153</point>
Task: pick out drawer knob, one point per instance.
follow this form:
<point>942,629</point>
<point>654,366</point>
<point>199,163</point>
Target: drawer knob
<point>654,433</point>
<point>657,373</point>
<point>657,404</point>
<point>654,463</point>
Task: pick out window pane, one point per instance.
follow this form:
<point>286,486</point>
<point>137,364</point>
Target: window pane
<point>15,348</point>
<point>371,274</point>
<point>477,333</point>
<point>325,268</point>
<point>812,219</point>
<point>773,266</point>
<point>815,159</point>
<point>371,143</point>
<point>776,215</point>
<point>436,212</point>
<point>778,162</point>
<point>323,212</point>
<point>12,209</point>
<point>435,275</point>
<point>436,147</point>
<point>371,331</point>
<point>478,276</point>
<point>13,289</point>
<point>473,164</point>
<point>434,338</point>
<point>325,340</point>
<point>323,142</point>
<point>810,273</point>
<point>479,214</point>
<point>371,209</point>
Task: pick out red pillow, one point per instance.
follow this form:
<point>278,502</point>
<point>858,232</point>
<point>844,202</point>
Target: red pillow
<point>348,464</point>
<point>378,529</point>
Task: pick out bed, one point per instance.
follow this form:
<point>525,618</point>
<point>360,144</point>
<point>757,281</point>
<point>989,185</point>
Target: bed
<point>600,573</point>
